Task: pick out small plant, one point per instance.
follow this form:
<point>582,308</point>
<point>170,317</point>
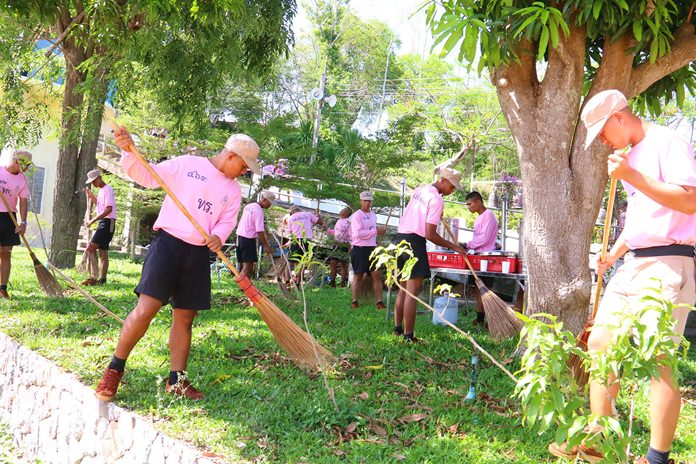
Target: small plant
<point>550,396</point>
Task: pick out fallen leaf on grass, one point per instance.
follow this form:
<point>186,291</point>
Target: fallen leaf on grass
<point>351,428</point>
<point>339,452</point>
<point>379,430</point>
<point>363,396</point>
<point>398,457</point>
<point>378,366</point>
<point>412,418</point>
<point>221,378</point>
<point>454,428</point>
<point>506,361</point>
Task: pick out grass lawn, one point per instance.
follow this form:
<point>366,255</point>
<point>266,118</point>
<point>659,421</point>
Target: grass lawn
<point>396,402</point>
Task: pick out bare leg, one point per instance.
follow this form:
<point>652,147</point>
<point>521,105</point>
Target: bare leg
<point>5,264</point>
<point>92,251</point>
<point>103,263</point>
<point>333,265</point>
<point>357,278</point>
<point>410,304</point>
<point>344,273</point>
<point>665,405</point>
<point>136,325</point>
<point>247,270</point>
<point>180,338</point>
<point>602,397</point>
<point>399,305</point>
<point>377,285</point>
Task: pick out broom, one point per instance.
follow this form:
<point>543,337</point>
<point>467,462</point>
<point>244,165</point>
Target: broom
<point>89,263</point>
<point>575,362</point>
<point>365,291</point>
<point>296,342</point>
<point>502,319</point>
<point>47,281</point>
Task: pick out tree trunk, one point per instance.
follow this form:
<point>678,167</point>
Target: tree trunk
<point>76,157</point>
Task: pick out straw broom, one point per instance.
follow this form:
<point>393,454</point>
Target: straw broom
<point>365,291</point>
<point>89,263</point>
<point>296,342</point>
<point>575,362</point>
<point>47,281</point>
<point>502,319</point>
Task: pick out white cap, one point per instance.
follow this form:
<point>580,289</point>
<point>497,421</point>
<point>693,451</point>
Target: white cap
<point>451,175</point>
<point>270,196</point>
<point>366,195</point>
<point>246,148</point>
<point>91,175</point>
<point>598,110</point>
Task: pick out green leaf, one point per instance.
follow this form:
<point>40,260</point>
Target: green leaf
<point>596,8</point>
<point>524,25</point>
<point>553,29</point>
<point>653,50</point>
<point>470,41</point>
<point>543,43</point>
<point>637,30</point>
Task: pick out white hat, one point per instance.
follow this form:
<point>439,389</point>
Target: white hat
<point>366,195</point>
<point>270,196</point>
<point>91,175</point>
<point>453,176</point>
<point>598,110</point>
<point>246,148</point>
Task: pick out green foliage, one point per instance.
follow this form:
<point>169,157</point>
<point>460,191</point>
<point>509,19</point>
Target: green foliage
<point>387,258</point>
<point>547,389</point>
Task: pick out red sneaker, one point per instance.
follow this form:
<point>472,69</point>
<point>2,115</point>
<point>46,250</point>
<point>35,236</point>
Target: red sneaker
<point>184,389</point>
<point>108,385</point>
<point>354,305</point>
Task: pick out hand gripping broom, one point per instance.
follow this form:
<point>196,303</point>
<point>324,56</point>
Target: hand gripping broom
<point>296,342</point>
<point>502,320</point>
<point>47,281</point>
<point>575,362</point>
<point>89,263</point>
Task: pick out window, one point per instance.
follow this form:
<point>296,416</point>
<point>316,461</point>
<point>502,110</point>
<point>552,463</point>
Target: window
<point>36,184</point>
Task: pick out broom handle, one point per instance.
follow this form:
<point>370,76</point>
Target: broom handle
<point>133,149</point>
<point>471,268</point>
<point>605,242</point>
<point>14,221</point>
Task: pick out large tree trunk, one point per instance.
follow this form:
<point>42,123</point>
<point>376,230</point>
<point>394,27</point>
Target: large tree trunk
<point>77,155</point>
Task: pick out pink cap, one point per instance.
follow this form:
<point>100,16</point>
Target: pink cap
<point>599,109</point>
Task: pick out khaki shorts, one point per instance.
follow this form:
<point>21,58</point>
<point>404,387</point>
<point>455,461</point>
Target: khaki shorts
<point>675,275</point>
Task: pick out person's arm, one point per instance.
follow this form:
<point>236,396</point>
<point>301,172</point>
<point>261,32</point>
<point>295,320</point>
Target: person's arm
<point>617,251</point>
<point>357,231</point>
<point>22,220</point>
<point>90,195</point>
<point>135,169</point>
<point>681,198</point>
<point>225,224</point>
<point>265,244</point>
<point>432,235</point>
<point>101,215</point>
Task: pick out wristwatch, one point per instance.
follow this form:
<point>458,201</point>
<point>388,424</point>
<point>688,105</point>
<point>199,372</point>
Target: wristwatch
<point>24,223</point>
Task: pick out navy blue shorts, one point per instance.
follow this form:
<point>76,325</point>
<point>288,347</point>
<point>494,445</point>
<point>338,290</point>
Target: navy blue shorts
<point>247,250</point>
<point>105,232</point>
<point>176,272</point>
<point>360,259</point>
<point>421,268</point>
<point>8,236</point>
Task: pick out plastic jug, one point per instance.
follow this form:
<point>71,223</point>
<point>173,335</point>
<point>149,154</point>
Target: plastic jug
<point>448,307</point>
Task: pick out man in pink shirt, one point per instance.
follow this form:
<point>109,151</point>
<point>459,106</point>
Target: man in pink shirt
<point>341,233</point>
<point>418,224</point>
<point>659,176</point>
<point>250,227</point>
<point>176,268</point>
<point>485,234</point>
<point>363,233</point>
<point>106,216</point>
<point>15,190</point>
<point>300,225</point>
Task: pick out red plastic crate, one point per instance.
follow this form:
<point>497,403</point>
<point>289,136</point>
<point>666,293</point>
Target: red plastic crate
<point>446,260</point>
<point>495,263</point>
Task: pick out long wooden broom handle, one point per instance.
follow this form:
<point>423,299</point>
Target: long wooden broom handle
<point>14,220</point>
<point>605,242</point>
<point>449,231</point>
<point>133,149</point>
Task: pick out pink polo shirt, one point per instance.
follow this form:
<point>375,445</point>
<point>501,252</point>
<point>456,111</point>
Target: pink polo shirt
<point>251,222</point>
<point>105,198</point>
<point>341,230</point>
<point>666,156</point>
<point>13,186</point>
<point>212,198</point>
<point>300,224</point>
<point>425,206</point>
<point>363,228</point>
<point>485,232</point>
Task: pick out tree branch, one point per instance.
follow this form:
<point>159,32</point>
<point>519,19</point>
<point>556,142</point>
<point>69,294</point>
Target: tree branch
<point>65,33</point>
<point>616,67</point>
<point>683,52</point>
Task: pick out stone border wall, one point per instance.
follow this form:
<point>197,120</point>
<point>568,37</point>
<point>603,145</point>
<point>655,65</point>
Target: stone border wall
<point>55,418</point>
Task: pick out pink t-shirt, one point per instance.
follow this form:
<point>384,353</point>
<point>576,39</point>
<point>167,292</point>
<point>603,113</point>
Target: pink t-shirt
<point>251,222</point>
<point>105,198</point>
<point>425,206</point>
<point>341,230</point>
<point>485,232</point>
<point>666,156</point>
<point>13,186</point>
<point>300,224</point>
<point>363,228</point>
<point>209,196</point>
